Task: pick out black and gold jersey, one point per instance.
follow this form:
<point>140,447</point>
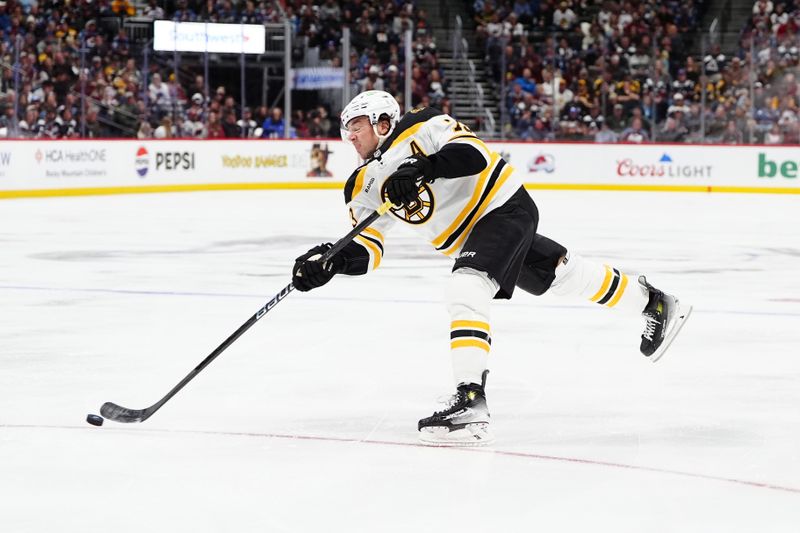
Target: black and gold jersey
<point>447,209</point>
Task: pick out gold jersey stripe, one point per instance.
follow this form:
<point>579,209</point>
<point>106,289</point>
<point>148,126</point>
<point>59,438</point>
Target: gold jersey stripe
<point>405,135</point>
<point>359,182</point>
<point>438,241</point>
<point>473,342</point>
<point>375,233</point>
<point>469,324</point>
<point>604,287</point>
<point>376,252</point>
<point>622,284</point>
<point>497,186</point>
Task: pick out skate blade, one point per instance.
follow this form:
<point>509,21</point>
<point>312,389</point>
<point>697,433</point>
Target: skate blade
<point>681,316</point>
<point>477,434</point>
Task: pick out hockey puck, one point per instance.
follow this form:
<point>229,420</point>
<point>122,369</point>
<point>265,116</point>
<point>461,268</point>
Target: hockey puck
<point>95,420</point>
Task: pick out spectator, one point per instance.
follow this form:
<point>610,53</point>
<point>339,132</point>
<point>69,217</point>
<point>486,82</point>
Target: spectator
<point>67,126</point>
<point>215,130</point>
<point>605,135</point>
<point>540,132</point>
<point>774,135</point>
<point>617,121</point>
<point>329,129</point>
<point>164,129</point>
<point>246,125</point>
<point>524,126</point>
<point>145,130</point>
<point>229,127</point>
<point>314,127</point>
<point>330,10</point>
<point>28,126</point>
<point>94,129</point>
<point>732,134</point>
<point>193,127</point>
<point>635,133</point>
<point>673,131</point>
<point>198,87</point>
<point>177,96</point>
<point>373,81</point>
<point>636,113</point>
<point>122,8</point>
<point>436,89</point>
<point>153,11</point>
<point>564,17</point>
<point>197,104</point>
<point>526,81</point>
<point>273,126</point>
<point>158,94</point>
<point>299,124</point>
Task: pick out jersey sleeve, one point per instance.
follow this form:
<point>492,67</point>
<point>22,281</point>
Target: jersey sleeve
<point>454,149</point>
<point>364,253</point>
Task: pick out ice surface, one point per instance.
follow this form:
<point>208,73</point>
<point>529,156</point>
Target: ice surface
<point>307,423</point>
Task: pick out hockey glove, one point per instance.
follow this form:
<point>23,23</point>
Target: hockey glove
<point>402,187</point>
<point>308,273</point>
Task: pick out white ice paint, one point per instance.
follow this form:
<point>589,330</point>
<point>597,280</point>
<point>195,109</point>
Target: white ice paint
<point>299,428</point>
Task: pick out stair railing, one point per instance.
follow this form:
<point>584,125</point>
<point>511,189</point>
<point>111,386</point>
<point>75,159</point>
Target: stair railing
<point>461,61</point>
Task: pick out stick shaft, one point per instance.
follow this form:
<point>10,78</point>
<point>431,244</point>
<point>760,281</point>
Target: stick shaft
<point>122,414</point>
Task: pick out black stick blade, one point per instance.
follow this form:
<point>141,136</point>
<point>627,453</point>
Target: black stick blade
<point>112,411</point>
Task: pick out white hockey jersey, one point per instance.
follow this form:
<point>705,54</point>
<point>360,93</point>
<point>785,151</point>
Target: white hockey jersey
<point>447,209</point>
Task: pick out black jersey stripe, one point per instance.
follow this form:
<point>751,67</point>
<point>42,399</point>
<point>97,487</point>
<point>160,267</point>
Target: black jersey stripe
<point>466,223</point>
<point>614,285</point>
<point>373,240</point>
<point>470,333</point>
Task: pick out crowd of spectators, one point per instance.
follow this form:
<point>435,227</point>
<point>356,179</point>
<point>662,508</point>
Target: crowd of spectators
<point>772,38</point>
<point>377,58</point>
<point>43,39</point>
<point>584,70</point>
<point>622,72</point>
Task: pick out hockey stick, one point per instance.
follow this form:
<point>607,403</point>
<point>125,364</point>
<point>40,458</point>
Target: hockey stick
<point>117,413</point>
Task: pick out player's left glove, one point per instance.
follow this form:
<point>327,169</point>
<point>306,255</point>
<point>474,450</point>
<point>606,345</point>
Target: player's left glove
<point>402,187</point>
<point>309,273</point>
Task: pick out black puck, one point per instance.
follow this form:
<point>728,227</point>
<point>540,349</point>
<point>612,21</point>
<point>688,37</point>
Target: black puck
<point>95,420</point>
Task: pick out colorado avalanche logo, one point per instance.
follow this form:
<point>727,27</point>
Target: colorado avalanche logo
<point>542,163</point>
<point>419,211</point>
<point>142,163</point>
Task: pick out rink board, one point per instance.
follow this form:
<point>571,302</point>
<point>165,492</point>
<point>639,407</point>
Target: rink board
<point>80,167</point>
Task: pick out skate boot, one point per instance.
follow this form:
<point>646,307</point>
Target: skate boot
<point>464,422</point>
<point>664,317</point>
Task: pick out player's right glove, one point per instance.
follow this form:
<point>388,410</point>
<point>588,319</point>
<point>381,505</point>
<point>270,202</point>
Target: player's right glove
<point>309,273</point>
<point>402,187</point>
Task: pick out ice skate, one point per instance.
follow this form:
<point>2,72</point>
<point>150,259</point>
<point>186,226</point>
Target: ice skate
<point>664,317</point>
<point>464,422</point>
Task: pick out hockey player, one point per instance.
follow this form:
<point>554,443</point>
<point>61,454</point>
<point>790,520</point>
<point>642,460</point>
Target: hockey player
<point>470,205</point>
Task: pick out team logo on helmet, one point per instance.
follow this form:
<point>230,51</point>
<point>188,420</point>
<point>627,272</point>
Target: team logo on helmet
<point>419,211</point>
